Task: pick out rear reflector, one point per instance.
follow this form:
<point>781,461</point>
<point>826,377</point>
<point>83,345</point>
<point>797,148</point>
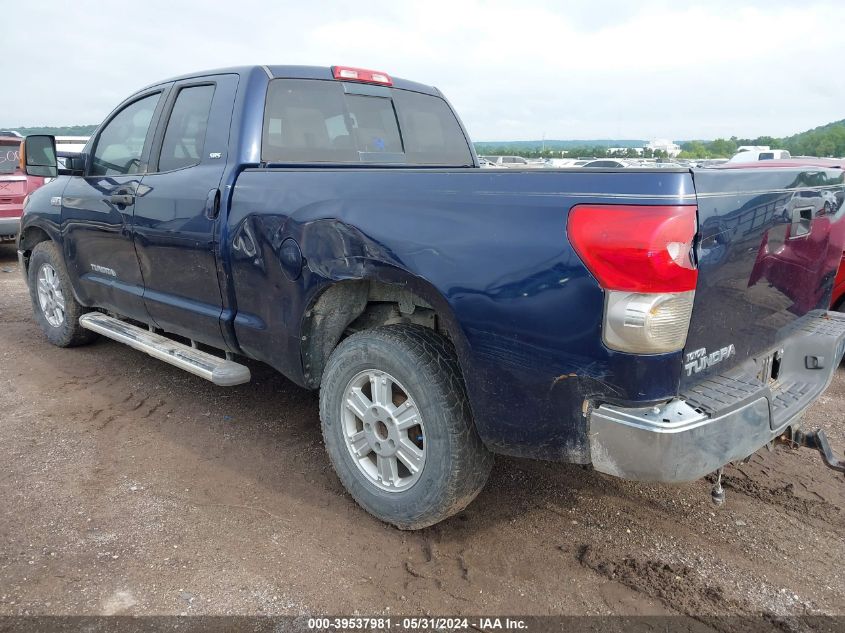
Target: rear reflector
<point>348,73</point>
<point>646,249</point>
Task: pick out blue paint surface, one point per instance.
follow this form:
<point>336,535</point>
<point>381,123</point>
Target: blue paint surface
<point>486,248</point>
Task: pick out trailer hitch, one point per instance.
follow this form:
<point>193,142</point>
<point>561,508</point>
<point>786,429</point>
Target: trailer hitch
<point>816,440</point>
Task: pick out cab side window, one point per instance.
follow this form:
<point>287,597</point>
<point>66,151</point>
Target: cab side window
<point>184,137</point>
<point>121,143</point>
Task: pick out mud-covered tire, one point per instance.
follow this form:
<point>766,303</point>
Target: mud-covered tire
<point>456,463</point>
<point>68,332</point>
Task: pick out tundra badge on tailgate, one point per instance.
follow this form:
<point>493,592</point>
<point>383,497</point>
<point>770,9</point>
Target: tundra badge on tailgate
<point>699,360</point>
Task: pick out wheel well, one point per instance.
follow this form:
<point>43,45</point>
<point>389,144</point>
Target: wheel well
<point>29,239</point>
<point>351,306</point>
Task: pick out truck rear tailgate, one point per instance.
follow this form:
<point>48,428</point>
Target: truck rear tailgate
<point>770,243</point>
<point>761,344</point>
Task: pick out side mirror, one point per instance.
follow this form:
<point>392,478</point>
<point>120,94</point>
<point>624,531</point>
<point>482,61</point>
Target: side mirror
<point>38,157</point>
<point>71,163</point>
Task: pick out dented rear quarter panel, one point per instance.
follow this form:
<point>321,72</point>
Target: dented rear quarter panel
<point>487,249</point>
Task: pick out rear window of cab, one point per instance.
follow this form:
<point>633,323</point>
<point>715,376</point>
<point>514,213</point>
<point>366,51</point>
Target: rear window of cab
<point>316,121</point>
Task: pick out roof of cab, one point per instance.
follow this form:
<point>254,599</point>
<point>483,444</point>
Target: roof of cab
<point>295,72</point>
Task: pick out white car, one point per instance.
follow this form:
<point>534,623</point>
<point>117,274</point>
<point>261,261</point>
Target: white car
<point>607,163</point>
<point>513,162</point>
<point>752,156</point>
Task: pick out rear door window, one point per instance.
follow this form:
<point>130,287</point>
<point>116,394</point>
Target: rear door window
<point>184,137</point>
<point>316,121</point>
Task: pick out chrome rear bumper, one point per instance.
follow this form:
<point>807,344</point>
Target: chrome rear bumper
<point>725,418</point>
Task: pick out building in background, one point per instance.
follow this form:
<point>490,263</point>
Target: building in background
<point>664,145</point>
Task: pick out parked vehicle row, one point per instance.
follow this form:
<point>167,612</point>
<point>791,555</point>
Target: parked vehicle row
<point>512,162</point>
<point>566,163</point>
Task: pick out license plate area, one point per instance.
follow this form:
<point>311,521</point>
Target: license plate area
<point>768,368</point>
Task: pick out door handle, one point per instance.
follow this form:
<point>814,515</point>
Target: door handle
<point>212,204</point>
<point>122,199</point>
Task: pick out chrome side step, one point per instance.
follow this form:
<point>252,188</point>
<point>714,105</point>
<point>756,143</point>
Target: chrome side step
<point>220,371</point>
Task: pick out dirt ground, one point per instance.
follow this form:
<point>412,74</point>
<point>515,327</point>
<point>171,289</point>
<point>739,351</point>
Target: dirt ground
<point>128,486</point>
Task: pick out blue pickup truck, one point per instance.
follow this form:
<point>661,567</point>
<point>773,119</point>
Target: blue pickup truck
<point>334,223</point>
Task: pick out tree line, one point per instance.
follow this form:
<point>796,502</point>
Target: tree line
<point>67,130</point>
<point>826,141</point>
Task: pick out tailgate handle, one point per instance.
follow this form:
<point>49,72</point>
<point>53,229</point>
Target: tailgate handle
<point>802,220</point>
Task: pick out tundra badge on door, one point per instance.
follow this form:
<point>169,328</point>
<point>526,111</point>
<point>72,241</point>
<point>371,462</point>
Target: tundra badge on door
<point>103,270</point>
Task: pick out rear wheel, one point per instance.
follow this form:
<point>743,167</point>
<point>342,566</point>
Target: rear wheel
<point>397,426</point>
<point>56,310</point>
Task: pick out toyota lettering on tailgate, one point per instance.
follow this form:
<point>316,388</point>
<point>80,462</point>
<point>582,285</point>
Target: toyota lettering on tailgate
<point>699,360</point>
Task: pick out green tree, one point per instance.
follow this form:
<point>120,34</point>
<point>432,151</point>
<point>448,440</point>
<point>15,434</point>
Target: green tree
<point>722,148</point>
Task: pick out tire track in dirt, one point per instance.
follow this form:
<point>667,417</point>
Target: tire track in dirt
<point>681,589</point>
<point>785,498</point>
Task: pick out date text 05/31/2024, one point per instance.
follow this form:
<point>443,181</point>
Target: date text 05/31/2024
<point>416,624</point>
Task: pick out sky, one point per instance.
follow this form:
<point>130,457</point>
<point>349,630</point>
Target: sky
<point>515,69</point>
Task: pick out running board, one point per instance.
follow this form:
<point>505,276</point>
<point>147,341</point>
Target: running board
<point>220,371</point>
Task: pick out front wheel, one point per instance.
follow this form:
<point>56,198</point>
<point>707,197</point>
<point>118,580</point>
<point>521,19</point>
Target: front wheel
<point>56,310</point>
<point>398,428</point>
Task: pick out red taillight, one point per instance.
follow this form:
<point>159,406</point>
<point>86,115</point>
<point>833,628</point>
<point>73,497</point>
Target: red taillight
<point>347,73</point>
<point>636,248</point>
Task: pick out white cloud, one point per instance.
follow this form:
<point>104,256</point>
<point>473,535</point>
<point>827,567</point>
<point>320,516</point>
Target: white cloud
<point>613,69</point>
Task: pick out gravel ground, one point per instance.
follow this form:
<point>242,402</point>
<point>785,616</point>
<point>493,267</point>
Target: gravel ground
<point>130,487</point>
